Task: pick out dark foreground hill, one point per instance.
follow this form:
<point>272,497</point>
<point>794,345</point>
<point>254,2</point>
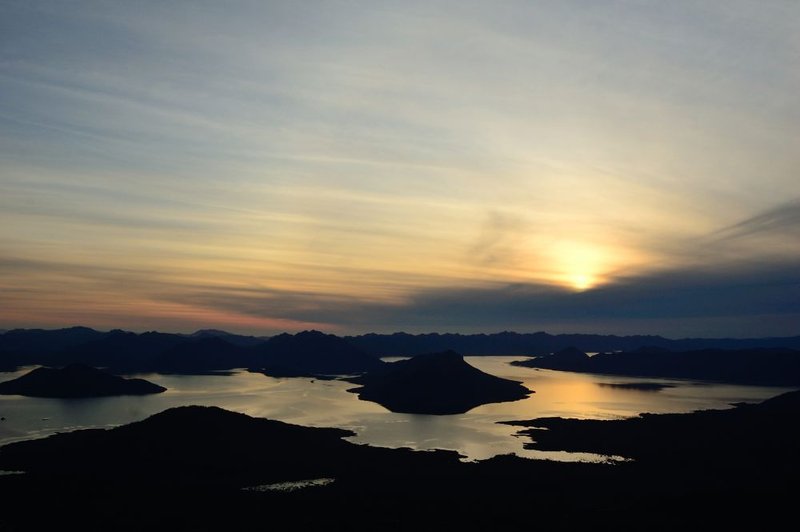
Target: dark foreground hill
<point>660,439</point>
<point>771,367</point>
<point>435,383</point>
<point>754,443</point>
<point>76,380</point>
<point>185,469</point>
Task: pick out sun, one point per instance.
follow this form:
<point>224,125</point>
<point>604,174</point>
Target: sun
<point>581,282</point>
<point>578,265</point>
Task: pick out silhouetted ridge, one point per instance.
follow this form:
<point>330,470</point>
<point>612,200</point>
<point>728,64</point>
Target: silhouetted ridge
<point>231,338</point>
<point>542,343</point>
<point>43,340</point>
<point>123,351</point>
<point>22,347</point>
<point>202,355</point>
<point>774,367</point>
<point>127,352</point>
<point>435,383</point>
<point>312,353</point>
<point>76,380</point>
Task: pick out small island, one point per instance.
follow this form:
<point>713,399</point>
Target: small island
<point>436,383</point>
<point>569,359</point>
<point>756,366</point>
<point>76,381</point>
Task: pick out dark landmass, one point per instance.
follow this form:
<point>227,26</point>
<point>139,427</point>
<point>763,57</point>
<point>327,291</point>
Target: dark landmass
<point>312,353</point>
<point>756,436</point>
<point>23,347</point>
<point>639,386</point>
<point>570,356</point>
<point>33,340</point>
<point>235,339</point>
<point>184,469</point>
<point>187,445</point>
<point>20,347</point>
<point>76,380</point>
<point>212,350</point>
<point>309,353</point>
<point>120,351</point>
<point>436,383</point>
<point>768,367</point>
<point>541,343</point>
<point>205,354</point>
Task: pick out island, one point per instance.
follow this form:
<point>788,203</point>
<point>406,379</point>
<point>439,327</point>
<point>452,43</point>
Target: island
<point>75,381</point>
<point>435,383</point>
<point>761,366</point>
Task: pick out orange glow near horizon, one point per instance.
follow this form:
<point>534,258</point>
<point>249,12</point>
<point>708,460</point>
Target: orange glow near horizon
<point>580,266</point>
<point>148,315</point>
<point>370,174</point>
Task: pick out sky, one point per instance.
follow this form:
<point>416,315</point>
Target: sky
<point>455,166</point>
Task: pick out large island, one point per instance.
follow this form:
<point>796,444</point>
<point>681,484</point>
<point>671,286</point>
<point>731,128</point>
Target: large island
<point>74,381</point>
<point>436,383</point>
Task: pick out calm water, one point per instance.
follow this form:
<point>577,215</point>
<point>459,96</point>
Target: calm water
<point>327,404</point>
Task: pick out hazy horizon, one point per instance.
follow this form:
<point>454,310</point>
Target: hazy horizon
<point>616,167</point>
<point>387,332</point>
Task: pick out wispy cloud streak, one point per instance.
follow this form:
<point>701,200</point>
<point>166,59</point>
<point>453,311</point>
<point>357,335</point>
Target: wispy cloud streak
<point>783,219</point>
<point>353,164</point>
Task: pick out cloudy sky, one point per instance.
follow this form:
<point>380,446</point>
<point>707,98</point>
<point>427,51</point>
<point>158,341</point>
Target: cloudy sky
<point>570,166</point>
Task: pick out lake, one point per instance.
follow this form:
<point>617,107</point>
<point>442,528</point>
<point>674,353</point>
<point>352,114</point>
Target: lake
<point>310,402</point>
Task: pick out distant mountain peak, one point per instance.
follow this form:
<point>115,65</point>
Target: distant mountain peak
<point>210,332</point>
<point>315,353</point>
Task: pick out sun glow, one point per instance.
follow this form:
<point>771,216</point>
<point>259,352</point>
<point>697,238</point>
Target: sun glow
<point>581,282</point>
<point>580,266</point>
